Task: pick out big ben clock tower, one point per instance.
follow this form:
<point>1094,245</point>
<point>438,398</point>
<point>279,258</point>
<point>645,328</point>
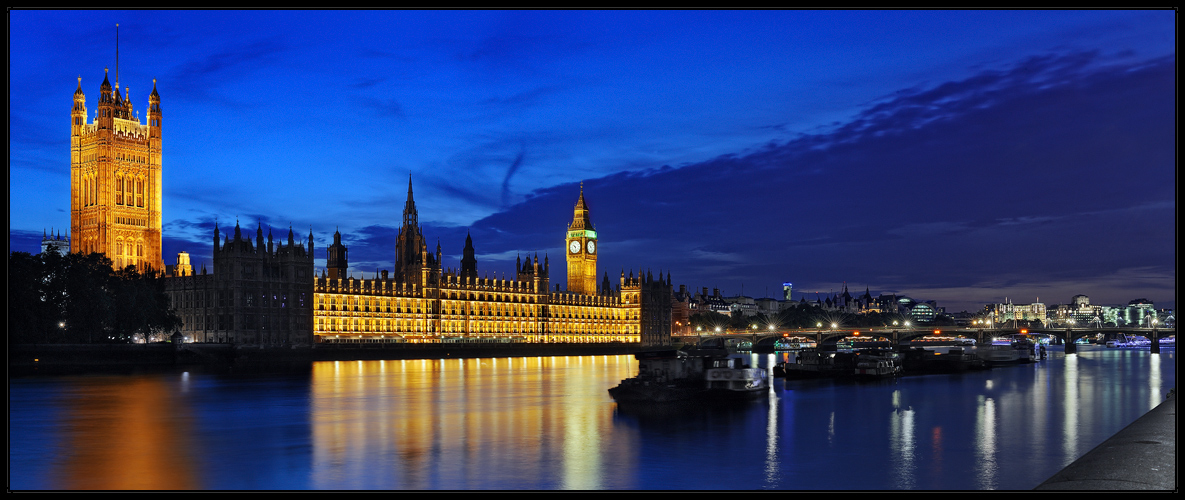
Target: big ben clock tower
<point>582,251</point>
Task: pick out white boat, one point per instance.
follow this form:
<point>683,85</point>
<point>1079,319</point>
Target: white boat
<point>1133,341</point>
<point>877,367</point>
<point>691,375</point>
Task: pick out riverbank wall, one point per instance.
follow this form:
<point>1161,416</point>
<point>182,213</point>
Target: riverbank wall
<point>65,358</point>
<point>1142,456</point>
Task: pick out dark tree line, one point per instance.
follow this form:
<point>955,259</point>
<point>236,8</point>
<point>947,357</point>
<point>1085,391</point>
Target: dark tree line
<point>79,298</point>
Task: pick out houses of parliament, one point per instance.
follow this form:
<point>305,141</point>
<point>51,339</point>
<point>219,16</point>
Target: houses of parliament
<point>267,293</point>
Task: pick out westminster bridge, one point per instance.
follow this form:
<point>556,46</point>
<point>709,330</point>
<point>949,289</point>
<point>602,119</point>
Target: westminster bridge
<point>954,335</point>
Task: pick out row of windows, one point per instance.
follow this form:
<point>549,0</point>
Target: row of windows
<point>130,221</point>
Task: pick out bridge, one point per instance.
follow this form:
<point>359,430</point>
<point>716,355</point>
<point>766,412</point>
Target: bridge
<point>898,335</point>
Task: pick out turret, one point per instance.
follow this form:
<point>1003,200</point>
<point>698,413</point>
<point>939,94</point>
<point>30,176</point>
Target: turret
<point>128,114</point>
<point>154,116</point>
<point>104,116</point>
<point>78,113</point>
<point>336,257</point>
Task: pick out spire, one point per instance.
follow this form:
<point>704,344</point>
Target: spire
<point>79,91</point>
<point>580,218</point>
<point>469,258</point>
<point>411,218</point>
<point>117,57</point>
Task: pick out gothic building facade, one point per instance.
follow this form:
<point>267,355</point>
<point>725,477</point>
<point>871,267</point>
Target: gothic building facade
<point>115,178</point>
<point>257,294</point>
<point>423,302</point>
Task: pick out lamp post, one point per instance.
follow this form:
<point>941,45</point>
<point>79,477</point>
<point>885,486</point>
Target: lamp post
<point>1155,348</point>
<point>1071,347</point>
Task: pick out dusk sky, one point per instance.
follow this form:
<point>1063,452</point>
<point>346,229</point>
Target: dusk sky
<point>957,156</point>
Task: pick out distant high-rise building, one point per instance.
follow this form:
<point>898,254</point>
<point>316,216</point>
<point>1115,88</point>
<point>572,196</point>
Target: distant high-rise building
<point>787,291</point>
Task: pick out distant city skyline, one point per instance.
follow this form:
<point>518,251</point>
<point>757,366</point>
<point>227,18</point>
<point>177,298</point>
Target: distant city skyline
<point>955,156</point>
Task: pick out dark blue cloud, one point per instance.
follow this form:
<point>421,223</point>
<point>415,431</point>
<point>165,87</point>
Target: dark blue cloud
<point>1050,164</point>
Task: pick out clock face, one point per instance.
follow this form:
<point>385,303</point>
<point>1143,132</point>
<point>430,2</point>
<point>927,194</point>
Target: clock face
<point>574,247</point>
<point>592,247</point>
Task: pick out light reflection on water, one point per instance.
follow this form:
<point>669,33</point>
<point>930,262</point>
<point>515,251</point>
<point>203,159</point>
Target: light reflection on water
<point>548,423</point>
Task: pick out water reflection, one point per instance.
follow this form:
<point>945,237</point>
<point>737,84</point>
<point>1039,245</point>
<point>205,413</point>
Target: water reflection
<point>122,434</point>
<point>901,429</point>
<point>464,423</point>
<point>1070,405</point>
<point>985,444</point>
<point>548,423</point>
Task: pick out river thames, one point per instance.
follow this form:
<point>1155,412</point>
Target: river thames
<point>548,423</point>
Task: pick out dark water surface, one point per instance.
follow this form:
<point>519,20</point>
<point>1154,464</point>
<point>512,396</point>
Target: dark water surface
<point>548,423</point>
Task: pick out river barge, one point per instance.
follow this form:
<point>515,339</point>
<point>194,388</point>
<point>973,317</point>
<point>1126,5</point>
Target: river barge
<point>703,375</point>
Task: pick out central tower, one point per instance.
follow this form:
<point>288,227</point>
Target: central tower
<point>411,250</point>
<point>582,250</point>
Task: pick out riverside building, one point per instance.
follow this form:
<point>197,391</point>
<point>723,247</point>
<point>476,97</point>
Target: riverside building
<point>423,302</point>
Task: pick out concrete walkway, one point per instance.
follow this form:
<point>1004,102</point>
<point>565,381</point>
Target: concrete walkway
<point>1142,456</point>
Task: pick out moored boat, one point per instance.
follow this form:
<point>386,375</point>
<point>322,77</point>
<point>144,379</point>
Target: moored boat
<point>954,360</point>
<point>1013,353</point>
<point>815,363</point>
<point>877,366</point>
<point>706,375</point>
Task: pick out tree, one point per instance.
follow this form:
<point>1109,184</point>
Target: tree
<point>88,301</point>
<point>26,305</point>
<point>78,298</point>
<point>141,306</point>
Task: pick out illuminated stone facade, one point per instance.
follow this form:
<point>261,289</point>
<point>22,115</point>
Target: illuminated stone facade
<point>423,303</point>
<point>115,178</point>
<point>581,244</point>
<point>1001,313</point>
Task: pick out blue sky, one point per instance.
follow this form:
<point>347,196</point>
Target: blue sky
<point>956,156</point>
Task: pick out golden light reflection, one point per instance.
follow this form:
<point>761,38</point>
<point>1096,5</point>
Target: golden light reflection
<point>123,435</point>
<point>528,421</point>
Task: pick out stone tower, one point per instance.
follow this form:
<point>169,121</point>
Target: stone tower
<point>411,251</point>
<point>337,258</point>
<point>115,178</point>
<point>581,250</point>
